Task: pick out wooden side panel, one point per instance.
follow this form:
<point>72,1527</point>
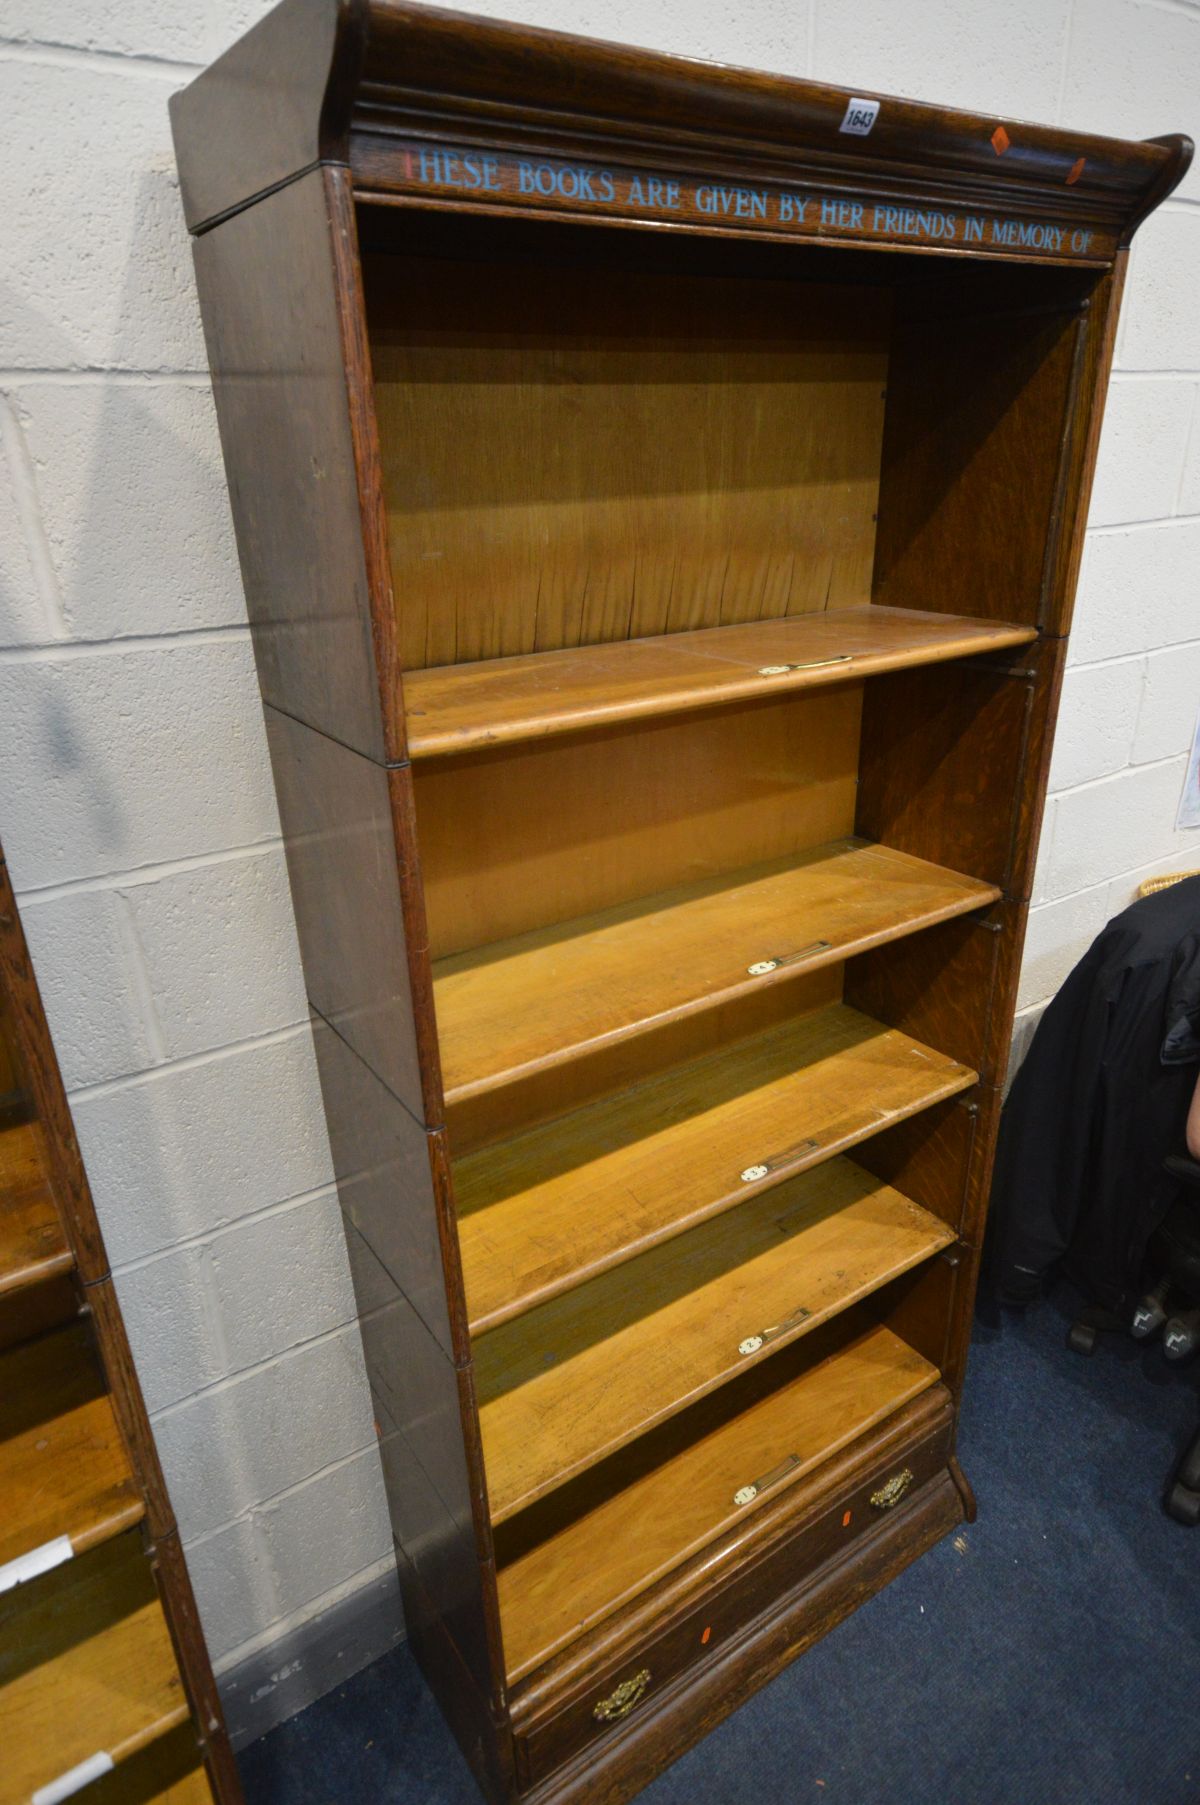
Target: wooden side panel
<point>279,294</point>
<point>342,864</point>
<point>570,460</point>
<point>273,322</point>
<point>953,763</point>
<point>928,1157</point>
<point>480,1729</point>
<point>921,1308</point>
<point>941,752</point>
<point>978,407</point>
<point>431,1490</point>
<point>359,946</point>
<point>957,770</point>
<point>939,986</point>
<point>1103,307</point>
<point>268,108</point>
<point>388,1172</point>
<point>77,1211</point>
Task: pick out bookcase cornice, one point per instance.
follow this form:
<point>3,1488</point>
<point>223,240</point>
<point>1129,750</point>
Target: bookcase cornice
<point>441,107</point>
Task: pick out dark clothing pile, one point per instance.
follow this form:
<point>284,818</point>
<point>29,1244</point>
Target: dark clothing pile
<point>1101,1099</point>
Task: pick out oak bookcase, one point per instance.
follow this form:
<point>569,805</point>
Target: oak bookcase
<point>106,1691</point>
<point>659,490</point>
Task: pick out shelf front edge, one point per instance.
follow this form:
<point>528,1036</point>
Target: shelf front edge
<point>455,709</point>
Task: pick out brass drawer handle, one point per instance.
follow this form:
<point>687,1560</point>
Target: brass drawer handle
<point>621,1702</point>
<point>889,1495</point>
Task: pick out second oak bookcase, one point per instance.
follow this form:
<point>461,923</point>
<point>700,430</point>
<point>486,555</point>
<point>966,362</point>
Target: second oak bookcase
<point>660,491</point>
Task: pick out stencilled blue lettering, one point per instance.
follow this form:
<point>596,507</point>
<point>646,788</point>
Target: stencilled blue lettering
<point>738,203</point>
<point>565,182</point>
<point>476,171</point>
<point>843,216</point>
<point>1028,234</point>
<point>915,222</point>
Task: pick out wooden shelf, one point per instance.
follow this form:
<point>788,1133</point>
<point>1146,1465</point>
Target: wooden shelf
<point>519,1006</point>
<point>588,1568</point>
<point>466,707</point>
<point>32,1244</point>
<point>64,1470</point>
<point>570,1382</point>
<point>86,1667</point>
<point>550,1208</point>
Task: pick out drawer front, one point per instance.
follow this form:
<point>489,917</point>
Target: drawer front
<point>621,1689</point>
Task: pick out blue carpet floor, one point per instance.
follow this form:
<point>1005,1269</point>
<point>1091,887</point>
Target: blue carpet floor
<point>1050,1655</point>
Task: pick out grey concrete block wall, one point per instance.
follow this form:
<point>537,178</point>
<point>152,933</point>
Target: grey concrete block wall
<point>135,799</point>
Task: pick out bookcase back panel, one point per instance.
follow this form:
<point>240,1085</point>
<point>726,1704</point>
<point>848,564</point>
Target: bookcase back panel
<point>573,456</point>
<point>547,831</point>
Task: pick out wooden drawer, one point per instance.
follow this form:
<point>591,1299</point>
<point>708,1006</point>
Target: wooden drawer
<point>821,1528</point>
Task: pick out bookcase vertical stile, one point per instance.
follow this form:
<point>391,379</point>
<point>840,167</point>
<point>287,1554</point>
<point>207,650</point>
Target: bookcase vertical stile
<point>660,635</point>
<point>105,1681</point>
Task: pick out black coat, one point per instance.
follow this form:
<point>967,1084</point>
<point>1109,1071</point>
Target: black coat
<point>1100,1100</point>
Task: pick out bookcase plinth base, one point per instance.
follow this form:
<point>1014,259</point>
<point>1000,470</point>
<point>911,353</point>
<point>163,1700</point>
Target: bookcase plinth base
<point>624,1762</point>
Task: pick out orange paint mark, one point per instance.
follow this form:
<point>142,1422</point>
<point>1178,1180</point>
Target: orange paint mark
<point>846,1519</point>
<point>1077,169</point>
<point>707,1634</point>
<point>1000,140</point>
